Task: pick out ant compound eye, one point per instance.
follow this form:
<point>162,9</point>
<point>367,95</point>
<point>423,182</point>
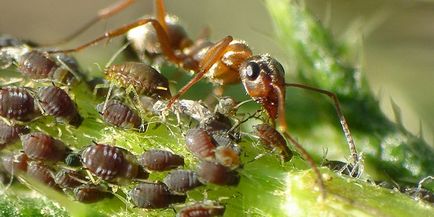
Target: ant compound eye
<point>252,70</point>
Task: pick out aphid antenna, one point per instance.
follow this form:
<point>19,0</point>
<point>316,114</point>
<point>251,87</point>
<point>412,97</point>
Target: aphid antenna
<point>73,72</point>
<point>419,185</point>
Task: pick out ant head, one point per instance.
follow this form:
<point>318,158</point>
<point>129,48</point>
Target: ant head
<point>263,79</point>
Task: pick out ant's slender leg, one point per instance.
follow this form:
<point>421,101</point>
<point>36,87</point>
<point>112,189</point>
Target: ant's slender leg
<point>160,15</point>
<point>161,34</point>
<point>284,129</point>
<point>342,119</point>
<point>102,14</point>
<point>212,56</point>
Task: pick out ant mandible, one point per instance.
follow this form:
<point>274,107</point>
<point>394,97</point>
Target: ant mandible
<point>224,62</point>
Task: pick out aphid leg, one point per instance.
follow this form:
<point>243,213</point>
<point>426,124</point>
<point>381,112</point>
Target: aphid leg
<point>341,116</point>
<point>100,86</point>
<point>212,56</point>
<point>107,97</point>
<point>284,129</point>
<point>161,34</point>
<point>102,14</point>
<point>73,72</point>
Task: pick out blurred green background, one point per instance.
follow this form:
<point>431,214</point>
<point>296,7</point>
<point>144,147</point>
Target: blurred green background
<point>396,49</point>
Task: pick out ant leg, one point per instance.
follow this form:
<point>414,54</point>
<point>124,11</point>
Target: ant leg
<point>284,129</point>
<point>102,14</point>
<point>161,34</point>
<point>341,116</point>
<point>212,56</point>
<point>160,11</point>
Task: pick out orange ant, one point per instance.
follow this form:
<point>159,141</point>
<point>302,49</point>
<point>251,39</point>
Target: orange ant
<point>224,62</point>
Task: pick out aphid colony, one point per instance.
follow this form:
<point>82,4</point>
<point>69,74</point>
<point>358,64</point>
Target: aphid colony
<point>48,160</point>
<point>141,90</point>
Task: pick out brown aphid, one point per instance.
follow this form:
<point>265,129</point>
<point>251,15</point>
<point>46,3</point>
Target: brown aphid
<point>56,102</point>
<point>39,65</point>
<point>66,178</point>
<point>228,156</point>
<point>110,162</point>
<point>90,193</point>
<point>205,209</point>
<point>200,143</point>
<point>154,196</point>
<point>216,122</point>
<point>160,160</point>
<point>211,172</point>
<point>181,181</point>
<point>15,163</point>
<point>41,172</point>
<point>119,115</point>
<point>273,140</point>
<point>342,167</point>
<point>143,78</point>
<point>9,134</point>
<point>40,146</point>
<point>17,103</point>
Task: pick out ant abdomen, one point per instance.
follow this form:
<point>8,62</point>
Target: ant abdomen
<point>142,77</point>
<point>181,181</point>
<point>273,140</point>
<point>42,173</point>
<point>56,102</point>
<point>160,160</point>
<point>200,143</point>
<point>154,196</point>
<point>17,103</point>
<point>146,44</point>
<point>66,178</point>
<point>41,146</point>
<point>110,162</point>
<point>119,115</point>
<point>90,193</point>
<point>9,134</point>
<point>212,172</point>
<point>204,209</point>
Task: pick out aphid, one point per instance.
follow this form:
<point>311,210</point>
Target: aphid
<point>17,103</point>
<point>200,143</point>
<point>39,66</point>
<point>41,146</point>
<point>211,172</point>
<point>90,193</point>
<point>204,209</point>
<point>73,160</point>
<point>160,160</point>
<point>15,163</point>
<point>154,196</point>
<point>231,61</point>
<point>342,167</point>
<point>110,162</point>
<point>9,134</point>
<point>119,115</point>
<point>273,140</point>
<point>142,78</point>
<point>216,122</point>
<point>56,102</point>
<point>66,178</point>
<point>419,194</point>
<point>181,181</point>
<point>42,173</point>
<point>228,156</point>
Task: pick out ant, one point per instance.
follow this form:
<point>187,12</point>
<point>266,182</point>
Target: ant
<point>229,61</point>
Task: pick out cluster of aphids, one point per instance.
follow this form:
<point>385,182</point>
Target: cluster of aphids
<point>89,174</point>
